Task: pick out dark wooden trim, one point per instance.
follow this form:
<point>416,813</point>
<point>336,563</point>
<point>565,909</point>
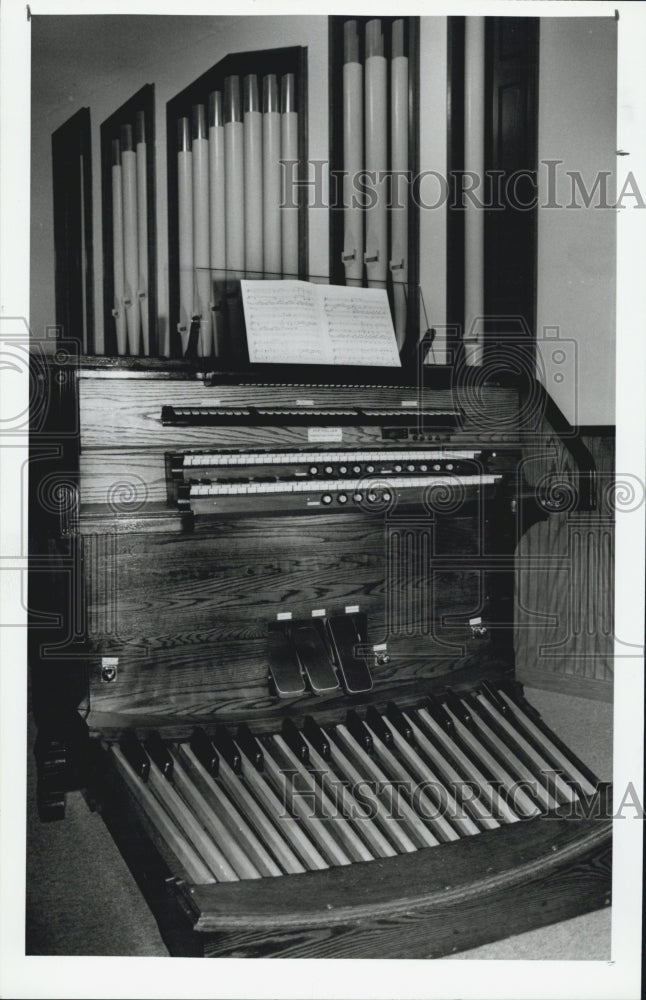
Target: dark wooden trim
<point>511,232</point>
<point>413,332</point>
<point>454,168</point>
<point>143,100</point>
<point>595,430</point>
<point>291,59</point>
<point>73,227</point>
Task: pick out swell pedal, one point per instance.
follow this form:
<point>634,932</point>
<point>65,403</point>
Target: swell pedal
<point>346,634</point>
<point>286,677</point>
<point>313,656</point>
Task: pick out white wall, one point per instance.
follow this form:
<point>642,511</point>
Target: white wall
<point>576,246</point>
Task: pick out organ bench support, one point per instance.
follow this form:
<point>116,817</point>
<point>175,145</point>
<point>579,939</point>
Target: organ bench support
<point>291,667</point>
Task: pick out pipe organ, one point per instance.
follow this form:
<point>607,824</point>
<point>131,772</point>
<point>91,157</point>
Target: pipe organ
<point>284,595</point>
<point>291,683</point>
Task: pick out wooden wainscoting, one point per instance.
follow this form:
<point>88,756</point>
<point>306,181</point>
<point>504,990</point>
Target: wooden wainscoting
<point>564,601</point>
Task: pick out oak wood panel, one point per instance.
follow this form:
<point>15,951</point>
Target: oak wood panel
<point>189,613</point>
<point>116,480</point>
<point>127,411</point>
<point>408,683</point>
<point>564,591</point>
<point>131,408</point>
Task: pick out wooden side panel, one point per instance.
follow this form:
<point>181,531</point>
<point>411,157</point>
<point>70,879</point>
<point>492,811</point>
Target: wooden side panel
<point>564,637</point>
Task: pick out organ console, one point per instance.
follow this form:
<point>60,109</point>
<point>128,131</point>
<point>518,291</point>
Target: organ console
<point>274,645</point>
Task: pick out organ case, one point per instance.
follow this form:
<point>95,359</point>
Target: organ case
<point>285,674</point>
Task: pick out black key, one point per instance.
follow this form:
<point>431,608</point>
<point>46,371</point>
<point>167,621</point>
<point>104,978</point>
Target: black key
<point>227,748</point>
<point>313,732</point>
<point>439,714</point>
<point>346,632</point>
<point>203,748</point>
<point>133,751</point>
<point>359,732</point>
<point>378,726</point>
<point>490,692</point>
<point>295,741</point>
<point>458,708</point>
<point>400,723</point>
<point>250,746</point>
<point>159,754</point>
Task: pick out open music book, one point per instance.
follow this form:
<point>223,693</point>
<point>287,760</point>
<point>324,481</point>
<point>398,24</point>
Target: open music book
<point>295,322</point>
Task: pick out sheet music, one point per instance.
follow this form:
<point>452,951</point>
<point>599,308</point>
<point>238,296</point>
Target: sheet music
<point>295,322</point>
<point>359,325</point>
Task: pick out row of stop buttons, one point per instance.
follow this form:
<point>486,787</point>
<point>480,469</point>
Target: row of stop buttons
<point>371,496</point>
<point>357,470</point>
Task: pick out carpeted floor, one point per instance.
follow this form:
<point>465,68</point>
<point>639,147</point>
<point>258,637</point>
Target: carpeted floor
<point>82,899</point>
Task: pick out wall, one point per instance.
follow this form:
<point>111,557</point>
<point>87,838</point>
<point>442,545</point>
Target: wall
<point>576,246</point>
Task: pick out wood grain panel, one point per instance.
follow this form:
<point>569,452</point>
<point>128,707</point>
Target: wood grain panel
<point>564,594</point>
<point>128,411</point>
<point>116,480</point>
<point>191,611</point>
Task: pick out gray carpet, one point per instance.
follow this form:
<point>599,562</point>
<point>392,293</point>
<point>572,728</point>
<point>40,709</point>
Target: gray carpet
<point>82,899</point>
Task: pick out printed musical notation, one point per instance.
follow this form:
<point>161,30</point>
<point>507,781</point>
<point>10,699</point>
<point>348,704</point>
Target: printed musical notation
<point>294,322</point>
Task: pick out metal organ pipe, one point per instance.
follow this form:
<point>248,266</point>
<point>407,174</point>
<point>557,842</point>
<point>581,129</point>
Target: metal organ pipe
<point>142,228</point>
<point>352,153</point>
<point>231,216</point>
<point>253,181</point>
<point>272,255</point>
<point>201,257</point>
<point>474,162</point>
<point>217,212</point>
<point>130,242</point>
<point>234,175</point>
<point>185,220</point>
<point>399,167</point>
<point>117,250</point>
<point>376,128</point>
<point>289,152</point>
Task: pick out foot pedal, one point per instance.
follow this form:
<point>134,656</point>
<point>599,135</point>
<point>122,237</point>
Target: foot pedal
<point>346,633</point>
<point>284,667</point>
<point>313,656</point>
